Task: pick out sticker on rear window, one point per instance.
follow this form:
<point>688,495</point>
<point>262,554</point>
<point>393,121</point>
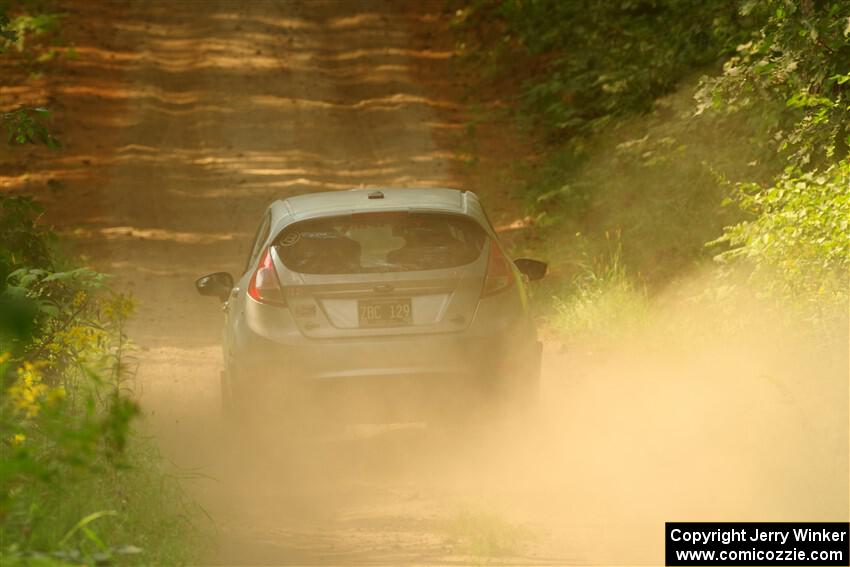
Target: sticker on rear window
<point>290,239</point>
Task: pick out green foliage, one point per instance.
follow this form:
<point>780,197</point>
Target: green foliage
<point>798,238</point>
<point>70,470</point>
<point>7,33</point>
<point>28,126</point>
<point>40,295</point>
<point>15,32</point>
<point>800,54</point>
<point>61,422</point>
<point>603,301</point>
<point>23,240</point>
<point>29,25</point>
<point>599,60</point>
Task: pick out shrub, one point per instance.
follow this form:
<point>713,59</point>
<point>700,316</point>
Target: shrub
<point>798,238</point>
<point>67,479</point>
<point>800,55</point>
<point>598,60</point>
<point>796,241</point>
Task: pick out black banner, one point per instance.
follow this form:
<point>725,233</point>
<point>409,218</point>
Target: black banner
<point>757,543</point>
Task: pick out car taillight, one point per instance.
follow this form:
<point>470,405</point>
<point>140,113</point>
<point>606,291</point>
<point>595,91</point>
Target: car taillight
<point>499,274</point>
<point>264,286</point>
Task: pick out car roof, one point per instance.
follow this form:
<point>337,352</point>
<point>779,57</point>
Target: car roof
<point>311,205</point>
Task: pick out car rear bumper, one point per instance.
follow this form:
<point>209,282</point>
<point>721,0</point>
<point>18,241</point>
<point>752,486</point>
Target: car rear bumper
<point>390,376</point>
<point>386,357</point>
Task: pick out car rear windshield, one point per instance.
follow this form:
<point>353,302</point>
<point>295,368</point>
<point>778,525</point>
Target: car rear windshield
<point>380,242</point>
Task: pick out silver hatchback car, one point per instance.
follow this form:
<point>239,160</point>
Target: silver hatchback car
<point>379,304</point>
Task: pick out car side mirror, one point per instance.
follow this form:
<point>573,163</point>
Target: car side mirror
<point>533,269</point>
<point>217,285</point>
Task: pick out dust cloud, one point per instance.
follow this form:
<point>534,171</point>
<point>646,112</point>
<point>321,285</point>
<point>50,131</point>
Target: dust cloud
<point>715,412</point>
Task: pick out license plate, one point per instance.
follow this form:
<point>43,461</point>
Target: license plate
<point>384,312</point>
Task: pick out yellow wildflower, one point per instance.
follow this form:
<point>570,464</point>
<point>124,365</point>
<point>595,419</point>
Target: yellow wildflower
<point>80,337</point>
<point>81,341</point>
<point>17,439</point>
<point>119,307</point>
<point>79,298</point>
<point>27,391</point>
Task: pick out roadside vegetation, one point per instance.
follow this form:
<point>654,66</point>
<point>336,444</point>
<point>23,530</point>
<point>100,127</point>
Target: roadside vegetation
<point>79,484</point>
<point>485,536</point>
<point>675,138</point>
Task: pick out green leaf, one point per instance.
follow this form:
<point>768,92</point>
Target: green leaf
<point>85,522</point>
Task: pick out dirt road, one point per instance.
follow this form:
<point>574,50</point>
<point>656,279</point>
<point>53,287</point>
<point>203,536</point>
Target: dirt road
<point>183,120</point>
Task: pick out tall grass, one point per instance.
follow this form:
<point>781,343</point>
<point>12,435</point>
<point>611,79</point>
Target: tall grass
<point>485,536</point>
<point>602,301</point>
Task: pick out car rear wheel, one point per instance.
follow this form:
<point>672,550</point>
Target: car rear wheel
<point>266,411</point>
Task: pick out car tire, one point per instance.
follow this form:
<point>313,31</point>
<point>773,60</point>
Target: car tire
<point>260,412</point>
